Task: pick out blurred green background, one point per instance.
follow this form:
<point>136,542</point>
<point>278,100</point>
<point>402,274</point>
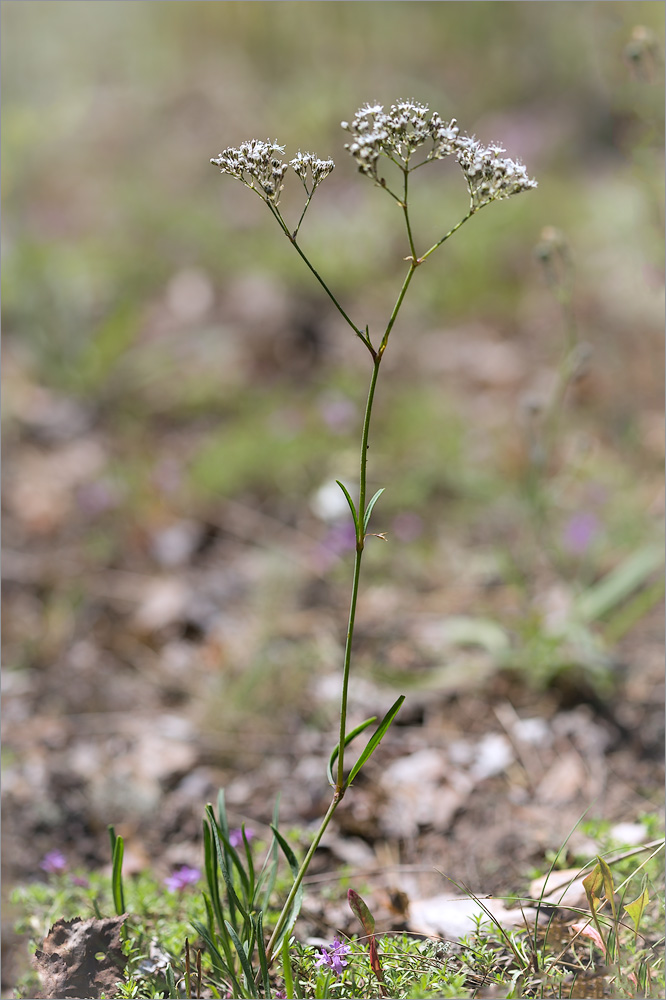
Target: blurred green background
<point>139,281</point>
<point>156,303</point>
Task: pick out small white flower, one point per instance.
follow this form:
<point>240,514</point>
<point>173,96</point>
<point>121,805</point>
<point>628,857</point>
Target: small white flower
<point>319,169</point>
<point>256,161</point>
<point>489,175</point>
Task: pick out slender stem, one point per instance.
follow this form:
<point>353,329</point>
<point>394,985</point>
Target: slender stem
<point>450,233</point>
<point>307,205</point>
<point>299,878</point>
<point>406,211</point>
<point>357,331</point>
<point>396,308</point>
<point>292,239</point>
<point>360,543</point>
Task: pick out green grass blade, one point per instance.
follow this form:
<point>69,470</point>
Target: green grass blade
<point>230,853</point>
<point>287,851</point>
<point>225,968</point>
<point>232,897</point>
<point>117,876</point>
<point>244,960</point>
<point>223,822</point>
<point>368,509</point>
<point>263,960</point>
<point>375,739</point>
<point>210,866</point>
<point>348,738</point>
<point>252,884</point>
<point>298,898</point>
<point>286,970</point>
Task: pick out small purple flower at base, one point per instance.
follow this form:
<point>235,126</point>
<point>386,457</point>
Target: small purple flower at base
<point>580,531</point>
<point>80,881</point>
<point>236,836</point>
<point>334,959</point>
<point>53,862</point>
<point>181,878</point>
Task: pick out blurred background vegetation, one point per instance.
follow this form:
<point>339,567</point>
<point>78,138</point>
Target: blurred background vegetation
<point>162,304</point>
<point>153,308</point>
<point>161,297</point>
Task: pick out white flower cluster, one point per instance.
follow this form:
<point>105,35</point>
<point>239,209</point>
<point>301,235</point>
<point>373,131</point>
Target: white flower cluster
<point>489,175</point>
<point>397,133</point>
<point>319,169</point>
<point>256,161</point>
<point>260,161</point>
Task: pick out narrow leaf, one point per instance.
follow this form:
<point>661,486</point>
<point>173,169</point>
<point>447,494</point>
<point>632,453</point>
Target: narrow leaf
<point>286,970</point>
<point>350,502</point>
<point>242,955</point>
<point>376,738</point>
<point>232,896</point>
<point>348,738</point>
<point>225,968</point>
<point>360,909</point>
<point>117,876</point>
<point>368,509</point>
<point>222,813</point>
<point>261,951</point>
<point>287,851</point>
<point>210,865</point>
<point>298,898</point>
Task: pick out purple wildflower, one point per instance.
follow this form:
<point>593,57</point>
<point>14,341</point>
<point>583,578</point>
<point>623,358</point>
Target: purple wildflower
<point>81,881</point>
<point>580,531</point>
<point>182,877</point>
<point>335,959</point>
<point>236,836</point>
<point>53,862</point>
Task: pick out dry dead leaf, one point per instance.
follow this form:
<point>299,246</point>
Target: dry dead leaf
<point>68,966</point>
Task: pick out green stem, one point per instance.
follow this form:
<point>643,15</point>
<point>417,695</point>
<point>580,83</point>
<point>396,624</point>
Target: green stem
<point>396,308</point>
<point>447,235</point>
<point>360,542</point>
<point>406,211</point>
<point>357,331</point>
<point>297,881</point>
<point>292,239</point>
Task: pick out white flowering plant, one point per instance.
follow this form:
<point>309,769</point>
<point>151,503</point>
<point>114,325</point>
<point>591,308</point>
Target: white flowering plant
<point>409,136</point>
